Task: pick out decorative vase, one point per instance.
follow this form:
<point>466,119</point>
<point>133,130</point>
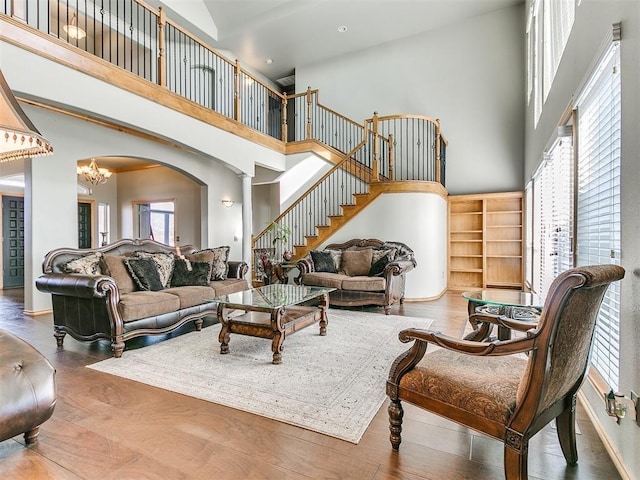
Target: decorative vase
<point>287,255</point>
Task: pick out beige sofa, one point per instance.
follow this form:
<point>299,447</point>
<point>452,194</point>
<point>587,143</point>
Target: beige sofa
<point>363,272</point>
<point>113,293</point>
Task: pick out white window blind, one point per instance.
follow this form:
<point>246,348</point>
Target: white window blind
<point>528,232</point>
<point>553,213</point>
<point>558,21</point>
<point>598,199</point>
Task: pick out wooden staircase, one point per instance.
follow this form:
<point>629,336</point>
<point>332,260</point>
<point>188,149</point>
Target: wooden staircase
<point>336,222</point>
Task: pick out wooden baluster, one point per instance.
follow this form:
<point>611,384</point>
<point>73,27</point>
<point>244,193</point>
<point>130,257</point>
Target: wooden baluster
<point>438,140</point>
<point>236,91</point>
<point>375,167</point>
<point>162,60</point>
<point>308,113</point>
<point>391,154</point>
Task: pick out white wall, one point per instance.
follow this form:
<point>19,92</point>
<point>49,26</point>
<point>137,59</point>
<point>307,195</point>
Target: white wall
<point>418,220</point>
<point>51,190</point>
<point>468,75</point>
<point>593,20</point>
<point>166,184</point>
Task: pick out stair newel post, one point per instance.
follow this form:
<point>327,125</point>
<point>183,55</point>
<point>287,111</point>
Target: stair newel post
<point>437,150</point>
<point>309,98</point>
<point>375,168</point>
<point>285,103</point>
<point>236,91</point>
<point>162,60</point>
<point>391,154</point>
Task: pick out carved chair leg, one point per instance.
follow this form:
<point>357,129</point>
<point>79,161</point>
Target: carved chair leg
<point>395,423</point>
<point>566,427</point>
<point>59,334</point>
<point>118,348</point>
<point>198,324</point>
<point>515,463</point>
<point>387,309</point>
<point>31,436</point>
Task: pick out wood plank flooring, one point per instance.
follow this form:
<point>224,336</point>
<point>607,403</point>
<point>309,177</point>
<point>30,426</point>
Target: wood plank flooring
<point>105,427</point>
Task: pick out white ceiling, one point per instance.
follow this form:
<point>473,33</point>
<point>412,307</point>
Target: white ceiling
<point>299,32</point>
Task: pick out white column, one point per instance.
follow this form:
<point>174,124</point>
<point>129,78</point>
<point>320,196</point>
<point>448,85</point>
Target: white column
<point>247,220</point>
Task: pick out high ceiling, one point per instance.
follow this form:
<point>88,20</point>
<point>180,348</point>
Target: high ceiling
<point>299,32</point>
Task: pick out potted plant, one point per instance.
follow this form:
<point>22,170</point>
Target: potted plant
<point>280,235</point>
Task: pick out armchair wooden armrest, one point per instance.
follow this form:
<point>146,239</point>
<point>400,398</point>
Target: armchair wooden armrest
<point>502,321</point>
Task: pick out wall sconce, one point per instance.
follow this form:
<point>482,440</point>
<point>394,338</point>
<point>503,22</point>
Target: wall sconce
<point>228,203</point>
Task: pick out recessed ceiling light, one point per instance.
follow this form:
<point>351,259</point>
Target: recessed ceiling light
<point>268,61</point>
<point>343,28</point>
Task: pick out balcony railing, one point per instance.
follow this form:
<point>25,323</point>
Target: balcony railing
<point>142,41</point>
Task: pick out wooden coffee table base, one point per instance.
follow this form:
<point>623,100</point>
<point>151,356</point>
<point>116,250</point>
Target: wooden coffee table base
<point>274,324</point>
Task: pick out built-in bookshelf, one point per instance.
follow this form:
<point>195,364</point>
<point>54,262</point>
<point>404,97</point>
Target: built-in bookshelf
<point>485,241</point>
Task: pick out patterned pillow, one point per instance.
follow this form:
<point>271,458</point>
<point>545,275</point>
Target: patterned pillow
<point>87,265</point>
<point>323,262</point>
<point>219,266</point>
<point>337,257</point>
<point>378,253</point>
<point>186,272</point>
<point>144,273</point>
<point>163,262</point>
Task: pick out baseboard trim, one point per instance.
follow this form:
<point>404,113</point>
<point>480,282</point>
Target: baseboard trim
<point>427,299</point>
<point>36,313</point>
<point>609,447</point>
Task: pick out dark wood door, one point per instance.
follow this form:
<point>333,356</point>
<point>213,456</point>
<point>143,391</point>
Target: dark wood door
<point>84,225</point>
<point>13,241</point>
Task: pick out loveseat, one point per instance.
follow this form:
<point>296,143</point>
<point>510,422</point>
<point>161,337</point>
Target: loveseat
<point>135,287</point>
<point>363,271</point>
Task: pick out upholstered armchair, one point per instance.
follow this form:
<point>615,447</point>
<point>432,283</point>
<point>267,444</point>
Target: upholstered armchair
<point>493,387</point>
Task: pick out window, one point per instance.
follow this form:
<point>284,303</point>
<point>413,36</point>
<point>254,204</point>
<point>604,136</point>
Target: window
<point>598,199</point>
<point>156,221</point>
<point>549,25</point>
<point>558,21</point>
<point>575,200</point>
<point>552,191</point>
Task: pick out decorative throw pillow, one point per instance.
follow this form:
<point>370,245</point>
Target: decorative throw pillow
<point>163,262</point>
<point>219,267</point>
<point>356,263</point>
<point>87,265</point>
<point>202,256</point>
<point>378,253</point>
<point>323,262</point>
<point>337,257</point>
<point>113,265</point>
<point>377,268</point>
<point>144,273</point>
<point>186,272</point>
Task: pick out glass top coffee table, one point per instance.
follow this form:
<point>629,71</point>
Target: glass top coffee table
<point>272,312</point>
<point>524,306</point>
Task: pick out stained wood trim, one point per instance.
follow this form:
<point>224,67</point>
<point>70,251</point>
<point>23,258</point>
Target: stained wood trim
<point>60,52</point>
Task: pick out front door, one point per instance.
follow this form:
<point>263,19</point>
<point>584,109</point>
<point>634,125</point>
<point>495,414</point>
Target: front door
<point>13,241</point>
<point>84,225</point>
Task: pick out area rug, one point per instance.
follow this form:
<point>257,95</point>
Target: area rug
<point>333,385</point>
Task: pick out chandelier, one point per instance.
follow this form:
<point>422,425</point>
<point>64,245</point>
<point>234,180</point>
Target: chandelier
<point>94,174</point>
<point>19,138</point>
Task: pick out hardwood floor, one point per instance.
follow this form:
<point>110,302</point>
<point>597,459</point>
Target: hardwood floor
<point>106,427</point>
